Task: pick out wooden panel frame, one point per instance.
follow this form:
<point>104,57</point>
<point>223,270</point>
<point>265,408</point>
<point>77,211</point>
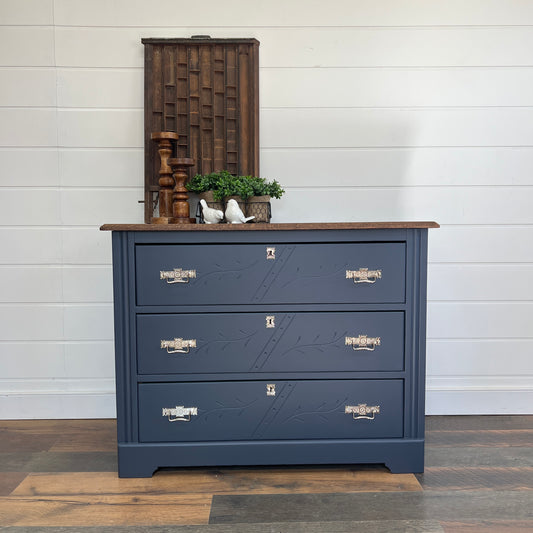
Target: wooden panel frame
<point>207,91</point>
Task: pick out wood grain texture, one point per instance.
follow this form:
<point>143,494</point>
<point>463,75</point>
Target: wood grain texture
<point>488,526</point>
<point>9,481</point>
<point>488,438</point>
<point>105,510</point>
<point>269,227</point>
<point>220,481</point>
<point>462,505</point>
<point>477,478</point>
<point>480,474</point>
<point>387,526</point>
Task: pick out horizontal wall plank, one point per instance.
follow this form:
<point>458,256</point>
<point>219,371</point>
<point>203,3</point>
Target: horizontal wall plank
<point>26,322</point>
<point>446,205</point>
<point>296,13</point>
<point>326,128</point>
<point>86,246</point>
<point>478,402</point>
<point>314,47</point>
<point>87,284</point>
<point>480,282</point>
<point>27,87</point>
<point>348,128</point>
<point>27,12</point>
<point>60,385</point>
<point>57,360</point>
<point>67,405</point>
<point>459,320</point>
<point>489,244</point>
<point>83,88</point>
<point>27,206</point>
<point>22,46</point>
<point>398,167</point>
<point>100,128</point>
<point>103,168</point>
<point>90,359</point>
<point>29,167</point>
<point>34,127</point>
<point>32,360</point>
<point>480,357</point>
<point>390,87</point>
<point>92,206</point>
<point>30,284</point>
<point>30,246</point>
<point>331,87</point>
<point>88,322</point>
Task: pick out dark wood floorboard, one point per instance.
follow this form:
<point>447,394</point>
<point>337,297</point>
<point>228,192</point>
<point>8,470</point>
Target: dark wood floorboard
<point>469,422</point>
<point>489,438</point>
<point>461,505</point>
<point>59,462</point>
<point>9,481</point>
<point>478,479</point>
<point>392,526</point>
<point>480,456</point>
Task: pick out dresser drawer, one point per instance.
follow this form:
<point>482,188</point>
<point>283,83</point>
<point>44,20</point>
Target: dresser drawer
<point>282,273</point>
<point>278,342</point>
<point>243,410</point>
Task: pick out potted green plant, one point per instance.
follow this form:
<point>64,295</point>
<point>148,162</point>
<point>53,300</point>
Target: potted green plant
<point>259,203</point>
<point>204,185</point>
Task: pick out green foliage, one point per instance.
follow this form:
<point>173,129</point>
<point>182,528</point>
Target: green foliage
<point>225,184</point>
<point>275,190</point>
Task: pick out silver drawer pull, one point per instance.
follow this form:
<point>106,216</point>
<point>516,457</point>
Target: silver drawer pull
<point>180,413</point>
<point>363,275</point>
<point>362,342</point>
<point>362,411</point>
<point>178,275</point>
<point>178,345</point>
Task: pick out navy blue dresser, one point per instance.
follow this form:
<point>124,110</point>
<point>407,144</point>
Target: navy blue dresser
<point>270,344</point>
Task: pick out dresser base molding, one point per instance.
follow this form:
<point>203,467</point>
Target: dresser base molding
<point>400,456</point>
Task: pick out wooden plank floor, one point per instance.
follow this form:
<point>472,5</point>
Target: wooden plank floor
<point>60,475</point>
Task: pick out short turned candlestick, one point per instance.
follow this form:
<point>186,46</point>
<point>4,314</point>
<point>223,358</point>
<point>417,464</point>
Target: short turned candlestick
<point>180,206</point>
<point>166,181</point>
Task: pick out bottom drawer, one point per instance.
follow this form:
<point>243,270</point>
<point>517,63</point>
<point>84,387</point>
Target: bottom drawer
<point>260,410</point>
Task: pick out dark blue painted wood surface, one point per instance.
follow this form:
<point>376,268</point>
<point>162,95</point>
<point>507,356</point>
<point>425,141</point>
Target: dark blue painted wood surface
<point>298,342</point>
<point>242,274</point>
<point>242,410</point>
<point>318,256</point>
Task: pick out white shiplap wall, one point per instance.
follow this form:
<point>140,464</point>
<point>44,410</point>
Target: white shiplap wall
<point>386,110</point>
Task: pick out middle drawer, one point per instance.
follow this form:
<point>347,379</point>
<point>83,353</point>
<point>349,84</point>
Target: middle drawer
<point>276,342</point>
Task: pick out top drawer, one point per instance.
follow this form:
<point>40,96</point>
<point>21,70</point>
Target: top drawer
<point>277,274</point>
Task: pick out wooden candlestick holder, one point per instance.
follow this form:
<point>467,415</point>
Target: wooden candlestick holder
<point>166,181</point>
<point>180,205</point>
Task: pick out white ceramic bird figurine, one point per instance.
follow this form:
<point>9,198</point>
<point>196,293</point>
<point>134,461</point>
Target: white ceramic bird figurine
<point>234,213</point>
<point>211,216</point>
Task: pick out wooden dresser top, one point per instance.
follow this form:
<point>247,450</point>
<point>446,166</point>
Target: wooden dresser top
<point>269,227</point>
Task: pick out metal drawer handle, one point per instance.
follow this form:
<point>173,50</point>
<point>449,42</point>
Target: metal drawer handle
<point>363,342</point>
<point>363,275</point>
<point>362,410</point>
<point>180,413</point>
<point>178,275</point>
<point>178,345</point>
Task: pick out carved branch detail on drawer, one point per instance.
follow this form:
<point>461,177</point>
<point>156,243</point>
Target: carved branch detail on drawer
<point>321,410</point>
<point>227,409</point>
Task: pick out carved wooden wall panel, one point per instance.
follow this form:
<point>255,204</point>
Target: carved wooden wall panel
<point>207,91</point>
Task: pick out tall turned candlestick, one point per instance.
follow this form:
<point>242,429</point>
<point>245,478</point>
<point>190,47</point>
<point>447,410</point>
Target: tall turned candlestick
<point>180,206</point>
<point>166,181</point>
